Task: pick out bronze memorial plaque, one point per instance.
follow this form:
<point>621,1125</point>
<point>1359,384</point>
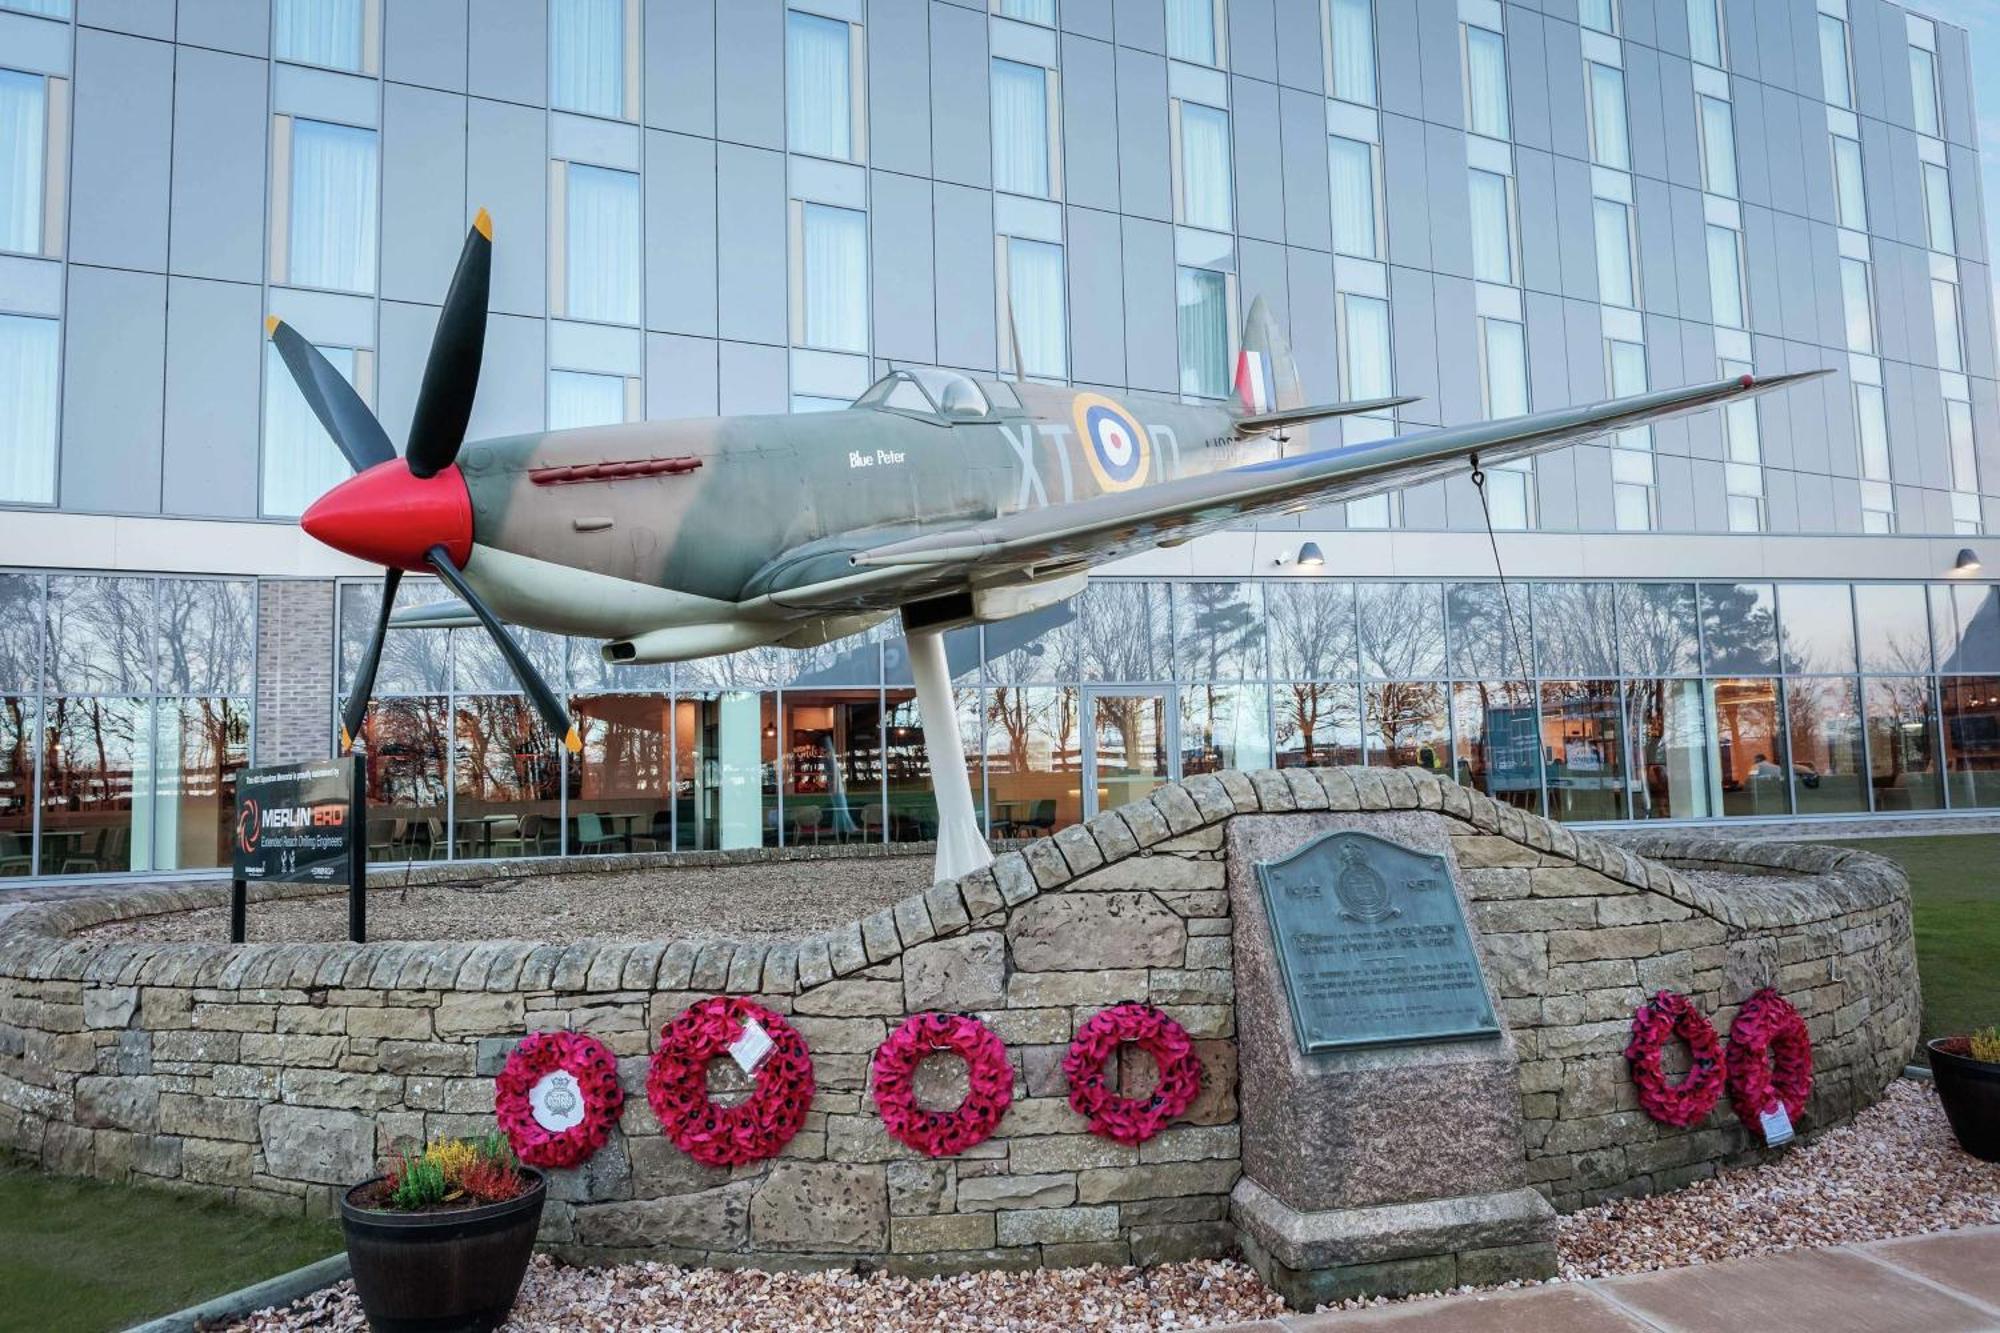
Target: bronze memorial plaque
<point>1372,945</point>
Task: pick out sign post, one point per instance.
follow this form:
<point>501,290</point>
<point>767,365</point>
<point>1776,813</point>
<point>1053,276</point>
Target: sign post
<point>301,824</point>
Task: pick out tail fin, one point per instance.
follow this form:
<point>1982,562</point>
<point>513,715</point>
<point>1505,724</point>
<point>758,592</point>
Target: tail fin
<point>1267,379</point>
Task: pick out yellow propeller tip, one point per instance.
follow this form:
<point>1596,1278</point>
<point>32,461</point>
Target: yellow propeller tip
<point>573,742</point>
<point>482,223</point>
<point>271,323</point>
<point>346,741</point>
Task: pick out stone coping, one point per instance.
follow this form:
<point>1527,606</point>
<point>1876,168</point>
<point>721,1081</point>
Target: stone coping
<point>35,941</point>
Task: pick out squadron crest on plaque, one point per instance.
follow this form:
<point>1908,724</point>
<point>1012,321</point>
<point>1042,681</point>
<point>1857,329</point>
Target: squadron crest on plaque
<point>1372,945</point>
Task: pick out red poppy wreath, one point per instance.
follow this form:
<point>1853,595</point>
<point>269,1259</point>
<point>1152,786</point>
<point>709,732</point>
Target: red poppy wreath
<point>1131,1120</point>
<point>677,1083</point>
<point>991,1078</point>
<point>1658,1021</point>
<point>1770,1059</point>
<point>557,1098</point>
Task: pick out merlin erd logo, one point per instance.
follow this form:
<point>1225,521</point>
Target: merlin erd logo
<point>249,828</point>
<point>292,822</point>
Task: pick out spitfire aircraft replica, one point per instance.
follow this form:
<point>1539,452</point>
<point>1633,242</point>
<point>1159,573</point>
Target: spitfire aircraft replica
<point>944,499</point>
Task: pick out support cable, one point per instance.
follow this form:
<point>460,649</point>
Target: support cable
<point>1506,597</point>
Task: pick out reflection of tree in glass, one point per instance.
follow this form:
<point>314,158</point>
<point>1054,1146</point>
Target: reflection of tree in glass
<point>1901,720</point>
<point>20,630</point>
<point>100,634</point>
<point>1021,714</point>
<point>406,751</point>
<point>1400,630</point>
<point>1218,631</point>
<point>1312,644</point>
<point>1124,633</point>
<point>504,751</point>
<point>1481,640</point>
<point>1575,628</point>
<point>206,635</point>
<point>1739,627</point>
<point>1657,629</point>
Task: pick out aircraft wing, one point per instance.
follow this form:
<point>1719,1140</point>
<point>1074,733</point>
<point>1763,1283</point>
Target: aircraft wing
<point>1107,526</point>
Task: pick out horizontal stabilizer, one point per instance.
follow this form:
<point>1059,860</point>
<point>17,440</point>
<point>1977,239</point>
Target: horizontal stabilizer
<point>1261,422</point>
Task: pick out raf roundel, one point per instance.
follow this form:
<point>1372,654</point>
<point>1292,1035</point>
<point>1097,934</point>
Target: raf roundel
<point>1115,444</point>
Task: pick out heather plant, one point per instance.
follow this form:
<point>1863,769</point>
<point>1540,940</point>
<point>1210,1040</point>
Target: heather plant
<point>1986,1045</point>
<point>448,1170</point>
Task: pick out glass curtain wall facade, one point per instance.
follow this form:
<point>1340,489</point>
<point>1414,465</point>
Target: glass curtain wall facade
<point>1593,702</point>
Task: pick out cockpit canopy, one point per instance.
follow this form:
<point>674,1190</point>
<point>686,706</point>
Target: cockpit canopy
<point>932,392</point>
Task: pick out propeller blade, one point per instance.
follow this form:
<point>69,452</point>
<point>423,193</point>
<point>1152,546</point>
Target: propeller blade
<point>333,400</point>
<point>364,677</point>
<point>546,703</point>
<point>451,375</point>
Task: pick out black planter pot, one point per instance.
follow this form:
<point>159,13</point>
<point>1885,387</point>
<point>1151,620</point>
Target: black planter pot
<point>1970,1091</point>
<point>441,1272</point>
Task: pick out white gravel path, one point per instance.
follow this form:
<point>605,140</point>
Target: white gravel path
<point>1894,1171</point>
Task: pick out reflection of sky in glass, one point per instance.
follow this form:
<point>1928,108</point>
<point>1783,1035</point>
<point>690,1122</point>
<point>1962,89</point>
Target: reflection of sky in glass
<point>1981,20</point>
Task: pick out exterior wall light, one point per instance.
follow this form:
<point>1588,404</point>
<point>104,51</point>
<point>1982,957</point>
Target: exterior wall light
<point>1967,563</point>
<point>1310,557</point>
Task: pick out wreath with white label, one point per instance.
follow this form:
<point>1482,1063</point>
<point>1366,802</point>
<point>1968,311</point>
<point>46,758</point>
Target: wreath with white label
<point>989,1076</point>
<point>765,1046</point>
<point>1770,1061</point>
<point>557,1098</point>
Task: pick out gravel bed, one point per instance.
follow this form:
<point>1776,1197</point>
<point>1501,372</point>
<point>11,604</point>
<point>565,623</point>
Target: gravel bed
<point>1894,1171</point>
<point>769,900</point>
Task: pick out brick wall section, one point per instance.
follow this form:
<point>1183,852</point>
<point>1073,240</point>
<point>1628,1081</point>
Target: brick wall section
<point>276,1073</point>
<point>294,669</point>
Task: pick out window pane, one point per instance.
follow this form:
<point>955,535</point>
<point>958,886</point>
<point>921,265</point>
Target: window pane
<point>1311,629</point>
<point>1033,11</point>
<point>1218,631</point>
<point>1972,739</point>
<point>1034,759</point>
<point>1409,724</point>
<point>1583,750</point>
<point>1738,627</point>
<point>602,250</point>
<point>1401,630</point>
<point>96,764</point>
<point>1668,725</point>
<point>20,633</point>
<point>1191,30</point>
<point>1937,208</point>
<point>23,145</point>
<point>202,744</point>
<point>407,756</point>
<point>318,32</point>
<point>1126,633</point>
<point>1486,82</point>
<point>1718,146</point>
<point>1725,277</point>
<point>621,783</point>
<point>1204,166</point>
<point>1483,644</point>
<point>1958,435</point>
<point>1847,184</point>
<point>18,746</point>
<point>1496,746</point>
<point>207,635</point>
<point>1818,624</point>
<point>1872,428</point>
<point>1366,352</point>
<point>414,661</point>
<point>835,278</point>
<point>1902,744</point>
<point>1828,762</point>
<point>587,56</point>
<point>28,351</point>
<point>1609,145</point>
<point>1965,622</point>
<point>1506,370</point>
<point>1859,305</point>
<point>1924,90</point>
<point>1035,290</point>
<point>832,760</point>
<point>1704,33</point>
<point>1492,228</point>
<point>1020,128</point>
<point>1575,629</point>
<point>1352,166</point>
<point>332,238</point>
<point>301,461</point>
<point>1614,253</point>
<point>1353,24</point>
<point>1315,723</point>
<point>1658,632</point>
<point>1944,319</point>
<point>580,399</point>
<point>1598,14</point>
<point>1224,726</point>
<point>507,801</point>
<point>1204,333</point>
<point>1833,72</point>
<point>1749,747</point>
<point>818,101</point>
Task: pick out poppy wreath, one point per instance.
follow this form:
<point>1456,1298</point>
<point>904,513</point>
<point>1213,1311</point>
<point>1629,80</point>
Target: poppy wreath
<point>1131,1120</point>
<point>677,1083</point>
<point>1655,1023</point>
<point>1770,1059</point>
<point>942,1133</point>
<point>537,1056</point>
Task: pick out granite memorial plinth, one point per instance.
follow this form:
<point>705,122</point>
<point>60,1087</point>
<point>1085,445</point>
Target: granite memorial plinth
<point>1381,1100</point>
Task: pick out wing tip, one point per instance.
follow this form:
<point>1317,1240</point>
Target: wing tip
<point>482,222</point>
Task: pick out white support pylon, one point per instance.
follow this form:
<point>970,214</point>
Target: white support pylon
<point>960,848</point>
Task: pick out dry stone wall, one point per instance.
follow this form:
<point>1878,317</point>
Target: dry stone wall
<point>276,1074</point>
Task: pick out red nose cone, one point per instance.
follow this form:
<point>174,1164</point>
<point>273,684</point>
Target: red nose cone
<point>386,516</point>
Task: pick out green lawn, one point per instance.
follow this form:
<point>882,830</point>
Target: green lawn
<point>1955,888</point>
<point>80,1256</point>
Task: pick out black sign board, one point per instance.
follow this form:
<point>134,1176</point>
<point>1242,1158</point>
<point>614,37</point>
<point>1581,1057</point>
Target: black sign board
<point>1372,945</point>
<point>300,824</point>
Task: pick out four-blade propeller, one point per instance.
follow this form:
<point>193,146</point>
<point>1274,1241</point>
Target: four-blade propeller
<point>413,512</point>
